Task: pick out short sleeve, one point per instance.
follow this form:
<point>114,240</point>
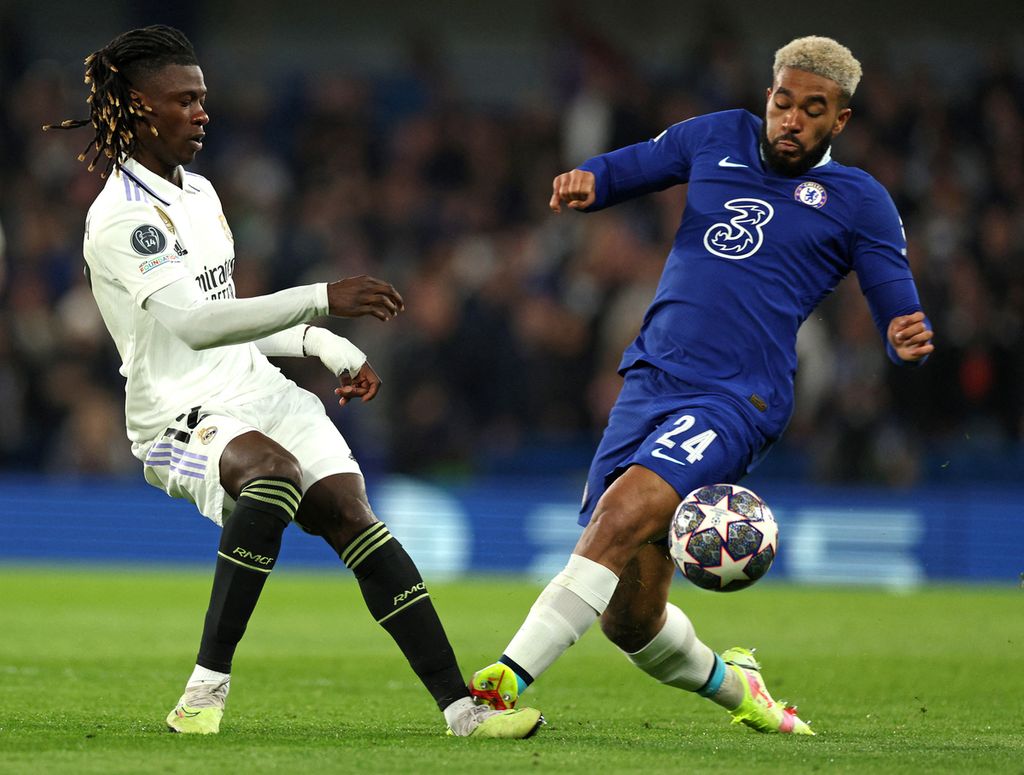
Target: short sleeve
<point>133,248</point>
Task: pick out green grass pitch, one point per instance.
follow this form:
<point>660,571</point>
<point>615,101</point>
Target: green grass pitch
<point>91,660</point>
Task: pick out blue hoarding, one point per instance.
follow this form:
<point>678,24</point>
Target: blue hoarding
<point>528,526</point>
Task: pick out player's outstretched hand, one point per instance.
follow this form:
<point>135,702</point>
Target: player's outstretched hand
<point>576,188</point>
<point>364,385</point>
<point>364,295</point>
<point>909,336</point>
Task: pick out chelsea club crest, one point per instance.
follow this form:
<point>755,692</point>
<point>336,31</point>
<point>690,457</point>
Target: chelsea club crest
<point>811,193</point>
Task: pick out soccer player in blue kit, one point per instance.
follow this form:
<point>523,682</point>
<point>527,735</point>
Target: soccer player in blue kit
<point>772,224</point>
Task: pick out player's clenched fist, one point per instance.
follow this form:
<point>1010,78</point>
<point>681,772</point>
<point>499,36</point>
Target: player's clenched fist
<point>576,188</point>
<point>364,295</point>
<point>910,337</point>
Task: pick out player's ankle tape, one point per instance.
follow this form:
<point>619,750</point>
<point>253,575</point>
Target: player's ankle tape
<point>590,581</point>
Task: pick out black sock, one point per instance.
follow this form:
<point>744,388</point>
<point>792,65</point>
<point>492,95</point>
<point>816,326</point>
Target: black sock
<point>249,545</point>
<point>398,599</point>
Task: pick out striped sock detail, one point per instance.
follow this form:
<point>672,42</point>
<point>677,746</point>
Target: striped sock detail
<point>275,492</point>
<point>365,544</point>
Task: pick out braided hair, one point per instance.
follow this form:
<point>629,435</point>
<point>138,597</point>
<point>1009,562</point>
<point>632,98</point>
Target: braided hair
<point>111,73</point>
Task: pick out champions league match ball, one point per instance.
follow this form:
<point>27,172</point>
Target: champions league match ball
<point>723,537</point>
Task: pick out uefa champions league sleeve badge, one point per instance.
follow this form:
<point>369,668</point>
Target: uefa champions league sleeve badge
<point>148,240</point>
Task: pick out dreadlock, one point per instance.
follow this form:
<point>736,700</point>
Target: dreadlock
<point>111,73</point>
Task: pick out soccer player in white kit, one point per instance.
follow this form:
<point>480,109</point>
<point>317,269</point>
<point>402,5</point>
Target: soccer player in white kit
<point>210,418</point>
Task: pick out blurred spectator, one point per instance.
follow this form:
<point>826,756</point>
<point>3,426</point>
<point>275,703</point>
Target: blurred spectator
<point>3,258</point>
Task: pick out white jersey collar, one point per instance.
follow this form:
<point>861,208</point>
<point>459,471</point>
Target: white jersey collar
<point>154,185</point>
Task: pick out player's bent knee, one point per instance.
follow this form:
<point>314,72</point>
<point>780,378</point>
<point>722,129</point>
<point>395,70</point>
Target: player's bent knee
<point>624,521</point>
<point>618,528</point>
<point>335,511</point>
<point>254,456</point>
<point>348,510</point>
<point>280,464</point>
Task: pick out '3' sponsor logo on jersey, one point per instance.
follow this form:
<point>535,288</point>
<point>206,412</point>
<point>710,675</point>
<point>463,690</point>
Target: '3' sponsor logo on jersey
<point>741,236</point>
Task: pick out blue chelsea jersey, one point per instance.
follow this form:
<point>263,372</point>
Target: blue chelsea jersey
<point>754,254</point>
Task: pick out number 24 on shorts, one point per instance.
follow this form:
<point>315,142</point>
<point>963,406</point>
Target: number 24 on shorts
<point>694,445</point>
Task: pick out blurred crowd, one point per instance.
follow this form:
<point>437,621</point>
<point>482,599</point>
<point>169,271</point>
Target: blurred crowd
<point>504,360</point>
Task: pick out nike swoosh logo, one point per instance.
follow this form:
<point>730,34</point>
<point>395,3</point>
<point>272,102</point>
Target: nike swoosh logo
<point>726,163</point>
<point>656,452</point>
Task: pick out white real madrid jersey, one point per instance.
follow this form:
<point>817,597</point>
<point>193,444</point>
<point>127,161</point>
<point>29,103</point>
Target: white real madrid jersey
<point>143,233</point>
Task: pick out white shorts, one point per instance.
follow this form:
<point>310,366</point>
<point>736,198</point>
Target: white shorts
<point>185,460</point>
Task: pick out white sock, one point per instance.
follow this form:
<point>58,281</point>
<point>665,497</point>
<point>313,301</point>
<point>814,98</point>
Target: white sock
<point>675,656</point>
<point>204,675</point>
<point>565,610</point>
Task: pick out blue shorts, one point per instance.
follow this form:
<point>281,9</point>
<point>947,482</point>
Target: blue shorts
<point>688,437</point>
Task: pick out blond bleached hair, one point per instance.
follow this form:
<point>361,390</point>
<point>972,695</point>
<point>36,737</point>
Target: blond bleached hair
<point>821,56</point>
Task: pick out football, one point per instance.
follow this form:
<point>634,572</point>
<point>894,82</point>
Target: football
<point>723,537</point>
